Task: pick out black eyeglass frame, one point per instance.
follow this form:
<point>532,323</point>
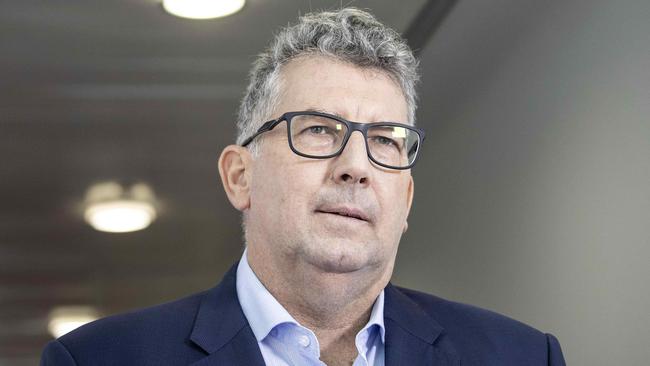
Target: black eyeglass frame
<point>351,127</point>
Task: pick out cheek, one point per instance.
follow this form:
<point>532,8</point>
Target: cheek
<point>281,191</point>
<point>265,189</point>
<point>394,201</point>
<point>298,188</point>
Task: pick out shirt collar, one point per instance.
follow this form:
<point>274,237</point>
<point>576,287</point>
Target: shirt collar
<point>377,316</point>
<point>264,312</point>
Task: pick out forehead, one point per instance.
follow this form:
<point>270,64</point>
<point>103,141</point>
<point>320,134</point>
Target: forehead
<point>323,83</point>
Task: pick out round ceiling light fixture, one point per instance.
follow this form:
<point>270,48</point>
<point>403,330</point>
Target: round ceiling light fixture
<point>202,9</point>
<point>67,318</point>
<point>114,209</point>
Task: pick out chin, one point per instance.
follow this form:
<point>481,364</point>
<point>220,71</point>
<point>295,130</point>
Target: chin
<point>339,258</point>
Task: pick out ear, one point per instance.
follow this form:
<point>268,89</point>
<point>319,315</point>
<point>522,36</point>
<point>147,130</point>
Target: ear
<point>234,169</point>
<point>409,201</point>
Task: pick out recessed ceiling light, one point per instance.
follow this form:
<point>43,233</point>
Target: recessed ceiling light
<point>120,216</point>
<point>67,318</point>
<point>111,208</point>
<point>202,9</point>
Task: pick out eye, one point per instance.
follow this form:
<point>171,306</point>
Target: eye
<point>382,140</point>
<point>318,130</point>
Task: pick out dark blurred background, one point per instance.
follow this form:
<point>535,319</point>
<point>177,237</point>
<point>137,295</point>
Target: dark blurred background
<point>532,194</point>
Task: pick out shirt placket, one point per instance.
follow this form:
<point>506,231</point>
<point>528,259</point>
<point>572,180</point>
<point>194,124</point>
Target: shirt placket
<point>303,347</point>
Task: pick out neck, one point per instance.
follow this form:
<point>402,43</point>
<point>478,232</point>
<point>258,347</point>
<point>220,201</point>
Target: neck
<point>335,306</point>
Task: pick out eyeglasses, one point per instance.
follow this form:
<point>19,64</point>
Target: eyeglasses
<point>319,135</point>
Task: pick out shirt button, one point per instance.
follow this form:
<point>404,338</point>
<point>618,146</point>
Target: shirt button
<point>303,340</point>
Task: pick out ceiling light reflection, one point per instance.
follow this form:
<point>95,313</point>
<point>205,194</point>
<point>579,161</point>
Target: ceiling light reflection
<point>202,9</point>
<point>120,216</point>
<point>67,318</point>
<point>111,208</point>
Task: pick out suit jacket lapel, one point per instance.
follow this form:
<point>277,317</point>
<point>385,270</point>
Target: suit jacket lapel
<point>221,329</point>
<point>412,336</point>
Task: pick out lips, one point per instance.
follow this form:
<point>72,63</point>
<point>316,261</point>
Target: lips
<point>345,211</point>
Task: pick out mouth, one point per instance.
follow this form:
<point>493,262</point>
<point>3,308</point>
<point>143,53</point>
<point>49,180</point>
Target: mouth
<point>346,212</point>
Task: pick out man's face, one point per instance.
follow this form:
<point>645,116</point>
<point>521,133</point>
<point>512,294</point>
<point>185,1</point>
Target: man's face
<point>298,205</point>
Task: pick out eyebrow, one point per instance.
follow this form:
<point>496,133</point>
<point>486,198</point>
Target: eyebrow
<point>321,110</point>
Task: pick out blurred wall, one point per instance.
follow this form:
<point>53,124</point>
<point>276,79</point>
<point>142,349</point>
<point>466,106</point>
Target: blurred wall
<point>533,198</point>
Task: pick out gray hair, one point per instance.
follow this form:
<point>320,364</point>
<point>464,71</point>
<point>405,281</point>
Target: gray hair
<point>350,35</point>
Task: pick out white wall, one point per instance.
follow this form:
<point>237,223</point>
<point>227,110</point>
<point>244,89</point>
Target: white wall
<point>533,196</point>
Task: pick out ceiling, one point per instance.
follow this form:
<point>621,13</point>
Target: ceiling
<point>119,90</point>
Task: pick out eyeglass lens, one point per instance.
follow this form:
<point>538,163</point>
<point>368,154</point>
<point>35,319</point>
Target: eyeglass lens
<point>321,136</point>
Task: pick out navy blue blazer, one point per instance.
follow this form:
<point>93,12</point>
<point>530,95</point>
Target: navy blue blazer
<point>209,328</point>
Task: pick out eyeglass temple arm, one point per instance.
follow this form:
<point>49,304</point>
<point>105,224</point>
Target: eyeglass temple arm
<point>265,127</point>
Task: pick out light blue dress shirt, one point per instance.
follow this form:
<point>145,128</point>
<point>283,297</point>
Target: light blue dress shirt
<point>284,342</point>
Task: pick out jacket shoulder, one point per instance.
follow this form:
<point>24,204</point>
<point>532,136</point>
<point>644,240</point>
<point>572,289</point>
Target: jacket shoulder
<point>457,314</point>
<point>155,335</point>
<point>485,337</point>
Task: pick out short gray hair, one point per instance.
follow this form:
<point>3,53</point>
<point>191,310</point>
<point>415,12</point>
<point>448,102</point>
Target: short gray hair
<point>350,35</point>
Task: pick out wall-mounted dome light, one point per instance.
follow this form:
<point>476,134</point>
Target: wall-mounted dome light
<point>112,208</point>
<point>67,318</point>
<point>202,9</point>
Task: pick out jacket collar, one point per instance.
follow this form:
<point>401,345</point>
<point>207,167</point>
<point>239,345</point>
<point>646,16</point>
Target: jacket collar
<point>222,331</point>
<point>412,336</point>
<point>410,316</point>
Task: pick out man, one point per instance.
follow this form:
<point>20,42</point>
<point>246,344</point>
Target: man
<point>325,201</point>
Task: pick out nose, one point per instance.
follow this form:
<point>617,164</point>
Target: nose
<point>352,166</point>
